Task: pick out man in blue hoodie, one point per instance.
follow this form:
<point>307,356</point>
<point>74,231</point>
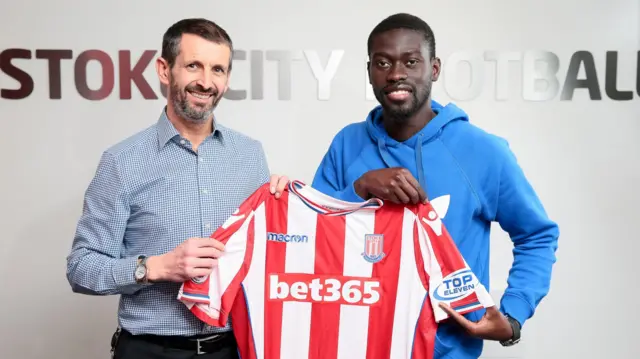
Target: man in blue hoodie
<point>411,148</point>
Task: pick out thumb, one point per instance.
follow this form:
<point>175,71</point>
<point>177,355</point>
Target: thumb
<point>492,312</point>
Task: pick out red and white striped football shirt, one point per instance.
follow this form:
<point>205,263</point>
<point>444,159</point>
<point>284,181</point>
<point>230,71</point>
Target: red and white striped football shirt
<point>309,276</point>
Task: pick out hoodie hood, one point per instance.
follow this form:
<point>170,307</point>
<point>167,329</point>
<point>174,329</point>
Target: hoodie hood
<point>430,132</point>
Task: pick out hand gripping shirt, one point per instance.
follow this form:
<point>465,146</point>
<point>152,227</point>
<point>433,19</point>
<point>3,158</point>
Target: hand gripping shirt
<point>310,276</point>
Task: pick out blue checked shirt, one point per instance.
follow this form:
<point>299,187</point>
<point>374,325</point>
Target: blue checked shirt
<point>150,193</point>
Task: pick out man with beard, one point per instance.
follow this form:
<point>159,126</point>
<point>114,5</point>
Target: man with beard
<point>411,149</point>
<point>156,198</point>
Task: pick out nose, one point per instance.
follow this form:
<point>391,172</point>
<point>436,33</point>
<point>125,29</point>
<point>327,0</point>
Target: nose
<point>397,73</point>
<point>205,80</point>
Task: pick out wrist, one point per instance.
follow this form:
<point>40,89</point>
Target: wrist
<point>515,332</point>
<point>155,269</point>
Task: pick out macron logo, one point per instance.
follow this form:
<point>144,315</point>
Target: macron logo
<point>280,237</point>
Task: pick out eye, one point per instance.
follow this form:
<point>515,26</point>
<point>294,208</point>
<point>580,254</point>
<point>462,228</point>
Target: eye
<point>382,63</point>
<point>412,62</point>
<point>192,66</point>
<point>219,69</point>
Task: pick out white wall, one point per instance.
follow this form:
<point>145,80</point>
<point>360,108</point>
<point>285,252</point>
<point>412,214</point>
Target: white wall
<point>579,153</point>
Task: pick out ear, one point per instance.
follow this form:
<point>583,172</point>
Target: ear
<point>436,67</point>
<point>369,71</point>
<point>163,70</point>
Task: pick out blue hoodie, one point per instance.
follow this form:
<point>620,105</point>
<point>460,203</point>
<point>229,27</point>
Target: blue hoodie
<point>450,156</point>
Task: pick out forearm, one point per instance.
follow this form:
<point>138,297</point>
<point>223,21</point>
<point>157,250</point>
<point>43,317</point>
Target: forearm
<point>93,273</point>
<point>520,213</point>
<point>530,276</point>
<point>94,265</point>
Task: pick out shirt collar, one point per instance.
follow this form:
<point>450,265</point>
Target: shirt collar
<point>168,132</point>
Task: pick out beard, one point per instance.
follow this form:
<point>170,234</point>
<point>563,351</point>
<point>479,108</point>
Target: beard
<point>196,113</point>
<point>401,112</point>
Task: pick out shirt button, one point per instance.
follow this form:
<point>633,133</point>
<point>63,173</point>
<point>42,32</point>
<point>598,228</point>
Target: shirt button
<point>207,225</point>
<point>183,142</point>
<point>205,191</point>
<point>201,159</point>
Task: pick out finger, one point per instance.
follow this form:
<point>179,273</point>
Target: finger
<point>217,244</point>
<point>385,194</point>
<point>282,184</point>
<point>209,243</point>
<point>468,325</point>
<point>410,190</point>
<point>390,195</point>
<point>273,182</point>
<point>202,262</point>
<point>422,196</point>
<point>207,252</point>
<point>492,311</point>
<point>198,272</point>
<point>402,196</point>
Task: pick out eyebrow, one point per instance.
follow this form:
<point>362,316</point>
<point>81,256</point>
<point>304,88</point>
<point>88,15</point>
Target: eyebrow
<point>194,61</point>
<point>385,54</point>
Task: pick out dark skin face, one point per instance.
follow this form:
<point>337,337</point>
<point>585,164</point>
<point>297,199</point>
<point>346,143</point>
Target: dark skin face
<point>401,73</point>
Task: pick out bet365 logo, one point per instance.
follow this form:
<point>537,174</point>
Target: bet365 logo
<point>313,288</point>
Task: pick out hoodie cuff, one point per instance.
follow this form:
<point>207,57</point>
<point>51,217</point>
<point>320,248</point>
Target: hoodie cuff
<point>516,307</point>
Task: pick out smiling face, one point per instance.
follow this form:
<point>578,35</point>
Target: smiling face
<point>198,79</point>
<point>401,72</point>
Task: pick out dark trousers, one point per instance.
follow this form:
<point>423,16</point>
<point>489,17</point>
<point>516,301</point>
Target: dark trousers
<point>127,346</point>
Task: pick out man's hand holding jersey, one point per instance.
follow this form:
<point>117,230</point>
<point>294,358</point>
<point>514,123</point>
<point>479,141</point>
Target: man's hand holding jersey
<point>396,185</point>
<point>277,184</point>
<point>196,257</point>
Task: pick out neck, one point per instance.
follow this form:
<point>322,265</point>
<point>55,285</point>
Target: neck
<point>194,132</point>
<point>401,129</point>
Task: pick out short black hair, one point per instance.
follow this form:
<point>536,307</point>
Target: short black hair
<point>404,21</point>
<point>204,28</point>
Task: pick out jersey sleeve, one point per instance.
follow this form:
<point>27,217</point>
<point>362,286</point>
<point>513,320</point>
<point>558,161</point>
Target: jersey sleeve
<point>210,297</point>
<point>450,278</point>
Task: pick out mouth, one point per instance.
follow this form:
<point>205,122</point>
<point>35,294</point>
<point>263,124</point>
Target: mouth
<point>203,96</point>
<point>398,93</point>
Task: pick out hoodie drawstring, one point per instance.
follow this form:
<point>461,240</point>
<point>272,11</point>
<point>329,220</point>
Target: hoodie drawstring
<point>388,160</point>
<point>386,157</point>
<point>419,164</point>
